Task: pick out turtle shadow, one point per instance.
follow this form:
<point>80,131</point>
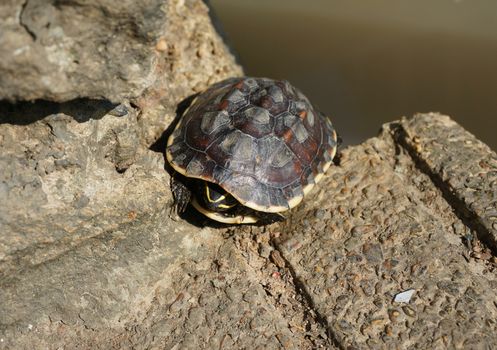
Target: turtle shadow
<point>159,145</point>
<point>190,215</point>
<point>193,217</point>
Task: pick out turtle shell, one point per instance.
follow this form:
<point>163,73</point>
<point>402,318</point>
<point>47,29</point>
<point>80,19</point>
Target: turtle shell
<point>259,139</point>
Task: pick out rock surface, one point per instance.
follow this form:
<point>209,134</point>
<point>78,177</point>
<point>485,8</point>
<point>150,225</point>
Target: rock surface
<point>114,50</point>
<point>327,277</point>
<point>74,170</point>
<point>91,257</point>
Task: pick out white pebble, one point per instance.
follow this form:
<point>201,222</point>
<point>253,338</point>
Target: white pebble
<point>405,296</point>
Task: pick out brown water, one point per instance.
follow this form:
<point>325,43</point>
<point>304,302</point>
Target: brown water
<point>366,63</point>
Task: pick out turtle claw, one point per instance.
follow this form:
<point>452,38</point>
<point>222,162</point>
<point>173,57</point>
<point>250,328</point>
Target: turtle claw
<point>173,213</point>
<point>181,195</point>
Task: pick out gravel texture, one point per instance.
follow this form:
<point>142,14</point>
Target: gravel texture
<point>380,227</point>
<point>464,168</point>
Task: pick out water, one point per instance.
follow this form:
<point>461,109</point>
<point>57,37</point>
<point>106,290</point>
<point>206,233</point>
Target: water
<point>367,63</point>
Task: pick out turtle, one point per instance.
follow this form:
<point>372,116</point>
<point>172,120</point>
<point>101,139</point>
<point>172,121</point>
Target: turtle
<point>248,149</point>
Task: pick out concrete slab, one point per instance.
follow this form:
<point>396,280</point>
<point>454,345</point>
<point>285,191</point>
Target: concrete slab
<point>381,226</point>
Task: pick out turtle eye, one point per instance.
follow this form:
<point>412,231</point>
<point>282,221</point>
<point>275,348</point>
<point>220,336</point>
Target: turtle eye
<point>217,199</point>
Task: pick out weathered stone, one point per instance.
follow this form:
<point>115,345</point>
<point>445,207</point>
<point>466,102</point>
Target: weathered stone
<point>131,277</point>
<point>74,170</point>
<point>464,168</point>
<point>58,50</point>
<point>145,286</point>
<point>91,257</point>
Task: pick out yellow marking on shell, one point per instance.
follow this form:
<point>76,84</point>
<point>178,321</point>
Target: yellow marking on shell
<point>169,158</point>
<point>180,170</point>
<point>326,167</point>
<point>307,188</point>
<point>240,219</point>
<point>318,177</point>
<point>170,139</point>
<point>191,104</point>
<point>251,205</point>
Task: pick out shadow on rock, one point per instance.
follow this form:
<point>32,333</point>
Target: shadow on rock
<point>190,215</point>
<point>81,109</point>
<point>160,144</point>
<point>193,217</point>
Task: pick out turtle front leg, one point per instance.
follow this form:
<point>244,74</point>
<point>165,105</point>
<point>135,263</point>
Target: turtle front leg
<point>181,194</point>
<point>261,218</point>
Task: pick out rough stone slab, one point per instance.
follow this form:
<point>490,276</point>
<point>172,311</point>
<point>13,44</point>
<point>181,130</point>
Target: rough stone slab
<point>380,227</point>
<point>114,50</point>
<point>463,167</point>
<point>124,274</point>
<point>78,169</point>
<point>156,284</point>
<point>64,180</point>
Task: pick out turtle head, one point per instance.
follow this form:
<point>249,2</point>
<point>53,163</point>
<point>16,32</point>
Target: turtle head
<point>215,203</point>
<point>215,198</point>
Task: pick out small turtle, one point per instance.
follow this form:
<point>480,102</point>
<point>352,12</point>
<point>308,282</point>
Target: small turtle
<point>248,149</point>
